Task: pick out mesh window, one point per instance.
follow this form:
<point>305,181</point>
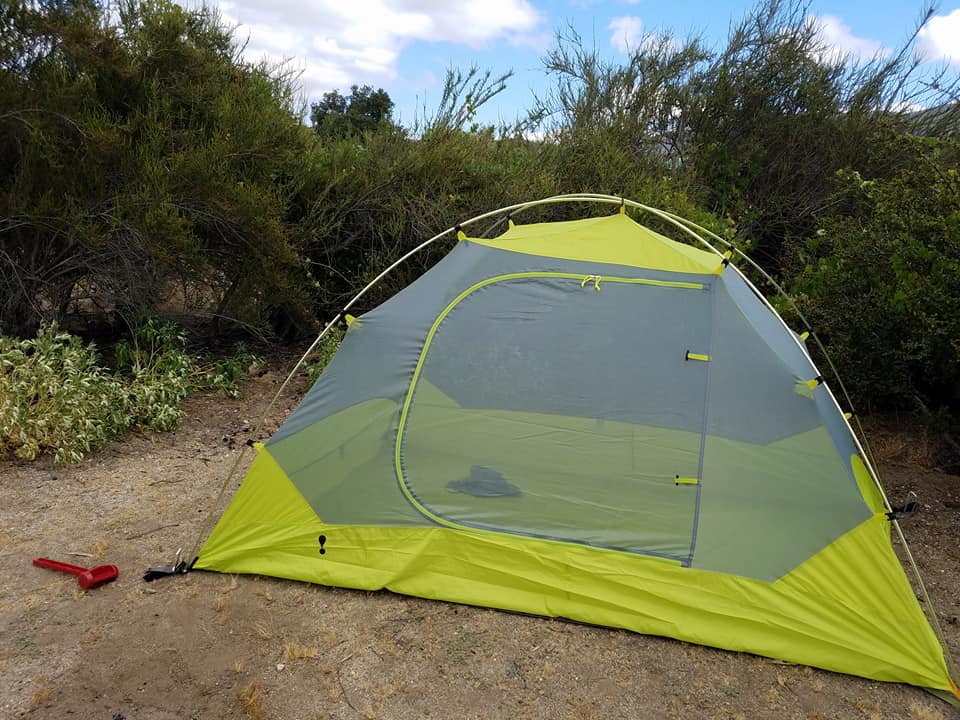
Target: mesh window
<point>560,411</point>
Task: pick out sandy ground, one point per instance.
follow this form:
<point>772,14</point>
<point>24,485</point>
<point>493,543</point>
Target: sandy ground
<point>213,646</point>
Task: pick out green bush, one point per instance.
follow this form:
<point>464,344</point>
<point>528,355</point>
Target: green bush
<point>880,281</point>
<point>160,374</point>
<point>324,353</point>
<point>56,398</point>
<point>142,154</point>
<point>224,373</point>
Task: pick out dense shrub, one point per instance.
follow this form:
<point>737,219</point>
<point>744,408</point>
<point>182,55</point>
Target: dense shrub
<point>370,200</point>
<point>141,155</point>
<point>56,398</point>
<point>880,280</point>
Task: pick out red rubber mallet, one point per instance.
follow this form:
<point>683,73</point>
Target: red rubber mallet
<point>87,578</point>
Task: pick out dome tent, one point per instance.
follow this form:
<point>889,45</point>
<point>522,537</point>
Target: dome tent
<point>588,420</point>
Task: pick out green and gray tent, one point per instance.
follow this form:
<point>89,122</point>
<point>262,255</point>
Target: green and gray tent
<point>589,420</point>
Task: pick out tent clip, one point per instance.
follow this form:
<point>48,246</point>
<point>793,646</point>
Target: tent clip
<point>179,567</point>
<point>592,278</point>
<point>907,510</point>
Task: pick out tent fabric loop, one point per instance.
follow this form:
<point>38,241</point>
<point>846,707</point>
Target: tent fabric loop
<point>906,510</point>
<point>595,279</point>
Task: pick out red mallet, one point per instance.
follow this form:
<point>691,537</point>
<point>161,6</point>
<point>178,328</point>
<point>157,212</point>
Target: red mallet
<point>86,578</point>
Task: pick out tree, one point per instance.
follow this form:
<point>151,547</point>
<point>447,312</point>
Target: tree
<point>365,110</point>
<point>756,128</point>
<point>140,154</point>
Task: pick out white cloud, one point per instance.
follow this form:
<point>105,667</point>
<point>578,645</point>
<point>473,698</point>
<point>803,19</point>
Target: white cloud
<point>627,33</point>
<point>940,38</point>
<point>838,41</point>
<point>340,42</point>
<point>904,106</point>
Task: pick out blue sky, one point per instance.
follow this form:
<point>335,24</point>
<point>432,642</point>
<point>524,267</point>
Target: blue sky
<point>405,46</point>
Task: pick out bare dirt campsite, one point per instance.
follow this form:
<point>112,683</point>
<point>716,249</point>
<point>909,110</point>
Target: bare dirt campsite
<point>213,646</point>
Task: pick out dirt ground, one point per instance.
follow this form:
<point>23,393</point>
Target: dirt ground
<point>212,646</point>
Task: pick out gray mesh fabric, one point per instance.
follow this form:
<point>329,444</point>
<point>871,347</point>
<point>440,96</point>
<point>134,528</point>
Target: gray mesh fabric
<point>543,406</point>
<point>591,418</point>
<point>770,503</point>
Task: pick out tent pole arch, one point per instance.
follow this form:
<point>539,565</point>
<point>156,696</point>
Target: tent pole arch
<point>688,226</point>
<point>681,223</point>
<point>859,436</point>
<point>208,521</point>
<point>685,226</point>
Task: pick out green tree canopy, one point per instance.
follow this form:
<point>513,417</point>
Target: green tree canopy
<point>142,159</point>
<point>364,110</point>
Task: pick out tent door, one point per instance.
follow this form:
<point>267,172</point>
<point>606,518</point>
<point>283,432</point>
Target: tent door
<point>563,406</point>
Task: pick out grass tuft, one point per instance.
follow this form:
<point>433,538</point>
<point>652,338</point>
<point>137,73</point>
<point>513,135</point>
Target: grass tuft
<point>251,700</point>
<point>40,696</point>
<point>294,651</point>
<point>924,712</point>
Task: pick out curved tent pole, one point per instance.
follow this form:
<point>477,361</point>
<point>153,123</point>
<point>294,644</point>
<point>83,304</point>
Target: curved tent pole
<point>205,528</point>
<point>677,221</point>
<point>689,228</point>
<point>686,225</point>
<point>863,446</point>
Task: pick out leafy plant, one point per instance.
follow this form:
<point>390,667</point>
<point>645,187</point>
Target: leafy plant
<point>161,374</point>
<point>324,353</point>
<point>224,373</point>
<point>54,397</point>
<point>880,280</point>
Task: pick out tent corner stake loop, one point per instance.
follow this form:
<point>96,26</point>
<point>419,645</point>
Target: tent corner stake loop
<point>907,510</point>
<point>178,567</point>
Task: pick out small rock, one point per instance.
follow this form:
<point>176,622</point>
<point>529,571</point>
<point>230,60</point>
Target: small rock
<point>280,666</point>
